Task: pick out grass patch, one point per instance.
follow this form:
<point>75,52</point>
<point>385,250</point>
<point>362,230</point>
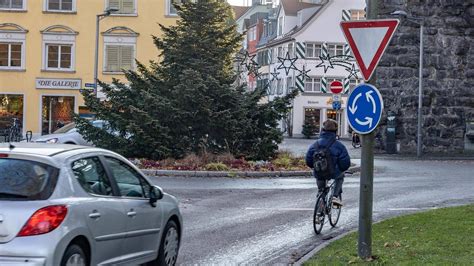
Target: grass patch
<point>442,236</point>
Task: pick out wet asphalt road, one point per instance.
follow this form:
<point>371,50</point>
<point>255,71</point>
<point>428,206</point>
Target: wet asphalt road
<point>269,221</point>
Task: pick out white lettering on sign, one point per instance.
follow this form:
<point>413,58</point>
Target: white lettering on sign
<point>66,84</point>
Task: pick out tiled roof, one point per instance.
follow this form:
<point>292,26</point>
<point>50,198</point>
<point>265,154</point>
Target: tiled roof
<point>240,10</point>
<point>292,7</point>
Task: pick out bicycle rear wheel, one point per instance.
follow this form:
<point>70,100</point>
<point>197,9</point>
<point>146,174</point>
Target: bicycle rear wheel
<point>318,216</point>
<point>334,213</point>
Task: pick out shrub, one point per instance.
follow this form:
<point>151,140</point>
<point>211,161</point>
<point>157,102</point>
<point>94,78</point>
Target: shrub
<point>216,167</point>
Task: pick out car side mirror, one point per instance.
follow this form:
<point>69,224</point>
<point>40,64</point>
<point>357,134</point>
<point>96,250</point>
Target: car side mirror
<point>156,193</point>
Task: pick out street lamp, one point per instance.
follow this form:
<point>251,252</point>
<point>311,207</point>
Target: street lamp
<point>418,21</point>
<point>99,17</point>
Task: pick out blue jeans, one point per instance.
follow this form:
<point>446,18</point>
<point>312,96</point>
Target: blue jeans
<point>337,186</point>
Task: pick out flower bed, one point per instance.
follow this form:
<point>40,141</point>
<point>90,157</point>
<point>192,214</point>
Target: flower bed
<point>285,161</point>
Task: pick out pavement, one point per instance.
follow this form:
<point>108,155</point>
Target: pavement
<point>229,221</point>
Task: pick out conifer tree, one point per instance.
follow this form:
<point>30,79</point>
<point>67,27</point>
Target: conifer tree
<point>188,102</point>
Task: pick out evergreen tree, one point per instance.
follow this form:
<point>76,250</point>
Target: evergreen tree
<point>187,102</point>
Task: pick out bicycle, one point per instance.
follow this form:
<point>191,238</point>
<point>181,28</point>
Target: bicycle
<point>324,207</point>
<point>14,134</point>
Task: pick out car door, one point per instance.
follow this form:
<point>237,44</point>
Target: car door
<point>144,220</point>
<point>103,210</point>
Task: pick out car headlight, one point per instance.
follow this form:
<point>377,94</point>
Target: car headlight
<point>52,141</point>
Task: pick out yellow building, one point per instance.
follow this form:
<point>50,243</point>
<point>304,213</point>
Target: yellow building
<point>47,53</point>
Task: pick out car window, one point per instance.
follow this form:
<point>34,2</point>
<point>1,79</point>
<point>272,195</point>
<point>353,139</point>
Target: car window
<point>92,176</point>
<point>129,182</point>
<point>26,180</point>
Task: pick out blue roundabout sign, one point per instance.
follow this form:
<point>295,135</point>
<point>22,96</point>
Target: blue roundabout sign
<point>364,108</point>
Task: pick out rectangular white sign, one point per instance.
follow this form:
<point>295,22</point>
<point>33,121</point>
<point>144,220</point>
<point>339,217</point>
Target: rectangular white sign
<point>58,84</point>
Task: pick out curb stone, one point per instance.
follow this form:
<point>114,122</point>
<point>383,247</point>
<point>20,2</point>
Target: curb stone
<point>242,174</point>
<point>318,248</point>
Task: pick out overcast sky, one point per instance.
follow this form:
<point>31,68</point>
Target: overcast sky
<point>238,2</point>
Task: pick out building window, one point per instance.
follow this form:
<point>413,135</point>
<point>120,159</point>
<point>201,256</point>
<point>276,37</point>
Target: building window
<point>280,87</point>
<point>289,84</point>
<point>59,48</point>
<point>313,50</point>
<point>171,9</point>
<point>312,116</point>
<point>11,55</point>
<point>118,58</point>
<point>12,46</point>
<point>12,4</point>
<point>353,83</point>
<point>357,14</point>
<point>262,58</point>
<point>123,6</point>
<point>312,85</point>
<point>59,56</point>
<point>252,34</point>
<point>335,49</point>
<point>291,50</point>
<point>280,26</point>
<point>11,108</point>
<point>60,5</point>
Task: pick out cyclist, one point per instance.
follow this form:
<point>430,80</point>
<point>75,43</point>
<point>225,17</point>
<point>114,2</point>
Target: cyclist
<point>339,154</point>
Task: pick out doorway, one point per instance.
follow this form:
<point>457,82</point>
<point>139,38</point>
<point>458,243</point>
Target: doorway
<point>56,112</point>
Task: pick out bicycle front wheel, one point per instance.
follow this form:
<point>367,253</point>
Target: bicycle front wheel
<point>318,216</point>
<point>334,213</point>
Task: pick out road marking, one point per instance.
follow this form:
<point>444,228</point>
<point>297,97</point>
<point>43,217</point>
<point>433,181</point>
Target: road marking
<point>281,209</point>
<point>412,209</point>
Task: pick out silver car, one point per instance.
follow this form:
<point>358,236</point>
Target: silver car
<point>76,205</point>
<point>68,134</point>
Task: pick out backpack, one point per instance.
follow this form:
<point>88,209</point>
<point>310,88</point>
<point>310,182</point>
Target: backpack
<point>323,163</point>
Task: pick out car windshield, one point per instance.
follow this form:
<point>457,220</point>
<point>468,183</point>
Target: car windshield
<point>26,180</point>
<point>65,128</point>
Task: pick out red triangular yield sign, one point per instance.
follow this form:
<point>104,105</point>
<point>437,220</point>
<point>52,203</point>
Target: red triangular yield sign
<point>368,40</point>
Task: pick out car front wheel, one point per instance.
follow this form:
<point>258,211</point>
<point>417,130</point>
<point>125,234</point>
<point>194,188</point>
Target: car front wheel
<point>74,256</point>
<point>169,245</point>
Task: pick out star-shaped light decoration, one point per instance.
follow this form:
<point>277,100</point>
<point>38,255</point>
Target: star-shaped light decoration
<point>275,74</point>
<point>325,63</point>
<point>352,72</point>
<point>253,69</point>
<point>287,63</point>
<point>303,74</point>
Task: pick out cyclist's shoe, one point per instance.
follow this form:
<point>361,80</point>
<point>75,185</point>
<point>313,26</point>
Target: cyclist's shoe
<point>336,201</point>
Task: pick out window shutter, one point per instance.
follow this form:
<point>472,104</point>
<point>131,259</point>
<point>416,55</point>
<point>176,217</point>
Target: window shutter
<point>126,56</point>
<point>128,6</point>
<point>114,4</point>
<point>346,15</point>
<point>112,54</point>
<point>300,50</point>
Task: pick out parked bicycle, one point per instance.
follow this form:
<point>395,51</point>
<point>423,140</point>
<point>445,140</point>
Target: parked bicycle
<point>324,207</point>
<point>14,133</point>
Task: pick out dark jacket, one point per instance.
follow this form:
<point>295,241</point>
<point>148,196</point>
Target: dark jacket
<point>338,152</point>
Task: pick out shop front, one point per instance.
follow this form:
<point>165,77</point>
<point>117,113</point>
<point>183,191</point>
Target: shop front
<point>311,111</point>
<point>11,109</point>
<point>57,109</point>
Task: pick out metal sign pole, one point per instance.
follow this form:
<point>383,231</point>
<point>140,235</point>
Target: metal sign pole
<point>366,196</point>
<point>367,175</point>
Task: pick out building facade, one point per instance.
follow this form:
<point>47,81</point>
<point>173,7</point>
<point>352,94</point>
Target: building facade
<point>302,47</point>
<point>47,54</point>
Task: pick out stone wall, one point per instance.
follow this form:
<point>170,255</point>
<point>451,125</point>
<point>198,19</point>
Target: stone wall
<point>448,73</point>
